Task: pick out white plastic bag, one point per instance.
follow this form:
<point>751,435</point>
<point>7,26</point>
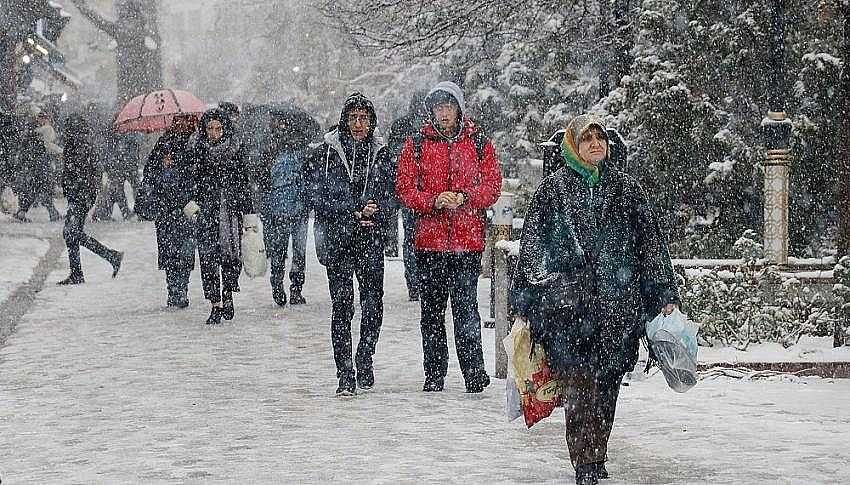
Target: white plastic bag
<point>254,261</point>
<point>673,339</point>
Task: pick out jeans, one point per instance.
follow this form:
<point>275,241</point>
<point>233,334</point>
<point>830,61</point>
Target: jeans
<point>365,260</point>
<point>277,230</point>
<point>454,276</point>
<point>75,220</point>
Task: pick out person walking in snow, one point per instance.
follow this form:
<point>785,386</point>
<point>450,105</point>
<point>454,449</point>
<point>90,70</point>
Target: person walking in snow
<point>121,163</point>
<point>168,184</point>
<point>80,179</point>
<point>402,128</point>
<point>448,175</point>
<point>221,198</point>
<point>284,210</point>
<point>34,181</point>
<point>350,189</point>
<point>591,235</point>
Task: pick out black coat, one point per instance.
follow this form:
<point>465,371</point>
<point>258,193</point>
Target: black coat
<point>33,164</point>
<point>220,177</point>
<point>631,269</point>
<point>166,192</point>
<point>80,172</point>
<point>332,196</point>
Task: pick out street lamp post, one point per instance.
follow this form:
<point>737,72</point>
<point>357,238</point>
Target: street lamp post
<point>776,129</point>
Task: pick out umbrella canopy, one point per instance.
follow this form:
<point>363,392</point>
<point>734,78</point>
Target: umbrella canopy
<point>256,126</point>
<point>155,111</point>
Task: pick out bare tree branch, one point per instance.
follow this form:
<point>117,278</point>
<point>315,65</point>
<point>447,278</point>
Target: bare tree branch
<point>107,26</point>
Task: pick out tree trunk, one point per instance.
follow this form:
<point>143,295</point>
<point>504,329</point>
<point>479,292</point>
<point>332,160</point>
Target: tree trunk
<point>843,161</point>
<point>139,53</point>
<point>619,58</point>
<point>8,75</point>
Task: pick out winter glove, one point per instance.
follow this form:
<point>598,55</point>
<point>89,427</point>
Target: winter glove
<point>191,209</point>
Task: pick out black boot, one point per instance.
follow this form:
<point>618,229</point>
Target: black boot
<point>73,279</point>
<point>586,474</point>
<point>279,296</point>
<point>433,385</point>
<point>347,386</point>
<point>365,378</point>
<point>477,382</point>
<point>295,296</point>
<point>601,472</point>
<point>215,316</point>
<point>116,260</point>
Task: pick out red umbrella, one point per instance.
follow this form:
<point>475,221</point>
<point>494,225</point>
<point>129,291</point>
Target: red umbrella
<point>154,111</point>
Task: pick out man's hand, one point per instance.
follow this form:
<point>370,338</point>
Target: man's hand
<point>668,309</point>
<point>191,210</point>
<point>370,209</point>
<point>446,199</point>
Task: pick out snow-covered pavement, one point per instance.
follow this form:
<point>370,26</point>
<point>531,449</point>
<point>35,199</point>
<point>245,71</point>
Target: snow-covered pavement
<point>100,384</point>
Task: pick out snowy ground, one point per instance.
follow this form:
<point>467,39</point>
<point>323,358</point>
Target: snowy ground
<point>99,383</point>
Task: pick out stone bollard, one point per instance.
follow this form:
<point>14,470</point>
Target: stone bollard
<point>503,217</point>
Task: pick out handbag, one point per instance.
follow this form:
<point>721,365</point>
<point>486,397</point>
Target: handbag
<point>560,294</point>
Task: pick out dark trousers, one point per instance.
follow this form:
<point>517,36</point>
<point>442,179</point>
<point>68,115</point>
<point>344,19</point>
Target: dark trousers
<point>277,230</point>
<point>219,273</point>
<point>444,276</point>
<point>589,406</point>
<point>30,198</point>
<point>177,282</point>
<point>408,250</point>
<point>365,261</point>
<point>114,194</point>
<point>75,220</point>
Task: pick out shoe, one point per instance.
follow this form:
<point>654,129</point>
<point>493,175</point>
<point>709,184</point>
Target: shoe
<point>116,263</point>
<point>413,295</point>
<point>21,216</point>
<point>601,472</point>
<point>279,297</point>
<point>433,385</point>
<point>215,316</point>
<point>586,474</point>
<point>227,310</point>
<point>478,383</point>
<point>56,217</point>
<point>365,378</point>
<point>347,387</point>
<point>72,280</point>
<point>182,303</point>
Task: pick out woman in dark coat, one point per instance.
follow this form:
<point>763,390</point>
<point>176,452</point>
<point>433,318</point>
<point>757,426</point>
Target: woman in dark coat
<point>168,184</point>
<point>593,226</point>
<point>80,179</point>
<point>221,197</point>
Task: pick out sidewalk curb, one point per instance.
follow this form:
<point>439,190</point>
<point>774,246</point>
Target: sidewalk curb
<point>18,303</point>
<point>835,370</point>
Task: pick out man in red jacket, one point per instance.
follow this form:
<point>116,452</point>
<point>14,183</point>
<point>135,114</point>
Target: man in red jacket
<point>448,175</point>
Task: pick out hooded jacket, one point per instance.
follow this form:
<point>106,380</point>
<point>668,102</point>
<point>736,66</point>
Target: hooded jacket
<point>449,164</point>
<point>332,190</point>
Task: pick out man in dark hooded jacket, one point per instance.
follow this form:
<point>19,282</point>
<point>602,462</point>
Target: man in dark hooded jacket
<point>350,185</point>
<point>449,174</point>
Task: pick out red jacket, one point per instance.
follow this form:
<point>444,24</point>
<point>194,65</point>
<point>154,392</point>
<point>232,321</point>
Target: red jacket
<point>449,166</point>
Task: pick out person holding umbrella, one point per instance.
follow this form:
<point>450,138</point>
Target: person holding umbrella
<point>80,179</point>
<point>284,209</point>
<point>220,198</point>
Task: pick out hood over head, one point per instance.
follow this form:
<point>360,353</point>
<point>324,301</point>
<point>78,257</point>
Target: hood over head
<point>575,129</point>
<point>216,114</point>
<point>357,100</point>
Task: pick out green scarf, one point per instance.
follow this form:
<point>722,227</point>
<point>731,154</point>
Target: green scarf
<point>589,174</point>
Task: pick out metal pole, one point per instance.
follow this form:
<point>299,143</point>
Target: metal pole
<point>843,162</point>
<point>503,218</point>
<point>776,128</point>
